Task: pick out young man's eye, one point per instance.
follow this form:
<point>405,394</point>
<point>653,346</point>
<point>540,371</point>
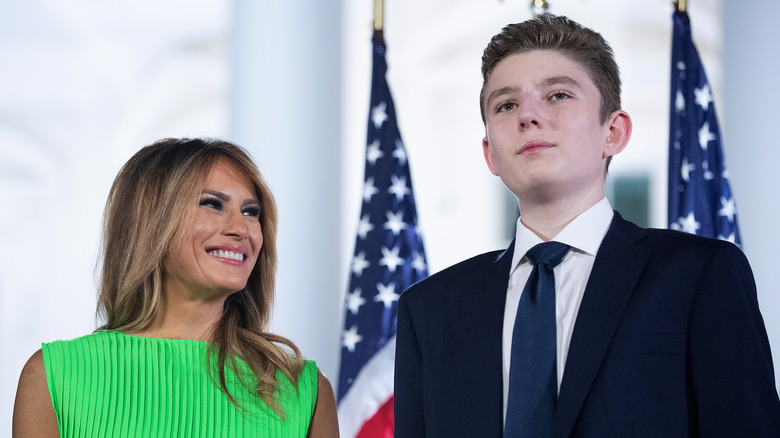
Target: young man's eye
<point>560,95</point>
<point>506,106</point>
<point>214,203</point>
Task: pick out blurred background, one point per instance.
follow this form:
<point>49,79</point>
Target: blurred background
<point>85,83</point>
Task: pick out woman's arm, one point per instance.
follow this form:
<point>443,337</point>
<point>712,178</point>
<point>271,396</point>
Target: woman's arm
<point>33,412</point>
<point>324,422</point>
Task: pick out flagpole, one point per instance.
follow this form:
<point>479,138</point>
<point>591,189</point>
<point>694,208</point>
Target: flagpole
<point>681,5</point>
<point>379,21</point>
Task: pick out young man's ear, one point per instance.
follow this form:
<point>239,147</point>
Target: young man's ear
<point>488,152</point>
<point>618,131</point>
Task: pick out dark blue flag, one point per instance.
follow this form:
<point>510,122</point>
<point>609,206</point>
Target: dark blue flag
<point>388,258</point>
<point>700,199</point>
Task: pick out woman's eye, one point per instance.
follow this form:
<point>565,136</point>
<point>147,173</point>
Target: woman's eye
<point>214,203</point>
<point>252,211</point>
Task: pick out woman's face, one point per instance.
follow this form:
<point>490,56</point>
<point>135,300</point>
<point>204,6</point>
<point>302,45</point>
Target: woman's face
<point>213,257</point>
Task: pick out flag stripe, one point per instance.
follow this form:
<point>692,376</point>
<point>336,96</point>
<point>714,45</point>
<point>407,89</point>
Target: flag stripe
<point>381,424</point>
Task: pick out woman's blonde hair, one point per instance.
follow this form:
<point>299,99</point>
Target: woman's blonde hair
<point>152,201</point>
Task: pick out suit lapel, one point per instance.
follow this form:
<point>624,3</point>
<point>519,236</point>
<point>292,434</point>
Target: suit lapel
<point>481,308</point>
<point>616,271</point>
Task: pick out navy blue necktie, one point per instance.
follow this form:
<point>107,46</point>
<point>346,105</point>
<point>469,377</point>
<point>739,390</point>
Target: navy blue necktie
<point>533,377</point>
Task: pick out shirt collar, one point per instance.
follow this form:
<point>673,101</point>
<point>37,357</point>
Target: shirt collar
<point>584,233</point>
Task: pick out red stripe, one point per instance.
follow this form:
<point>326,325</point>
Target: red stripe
<point>381,425</point>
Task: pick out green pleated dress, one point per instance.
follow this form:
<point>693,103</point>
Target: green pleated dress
<point>109,384</point>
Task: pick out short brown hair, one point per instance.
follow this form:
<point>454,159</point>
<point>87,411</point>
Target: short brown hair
<point>549,32</point>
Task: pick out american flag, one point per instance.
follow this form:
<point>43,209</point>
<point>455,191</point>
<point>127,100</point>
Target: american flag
<point>700,199</point>
<point>388,258</point>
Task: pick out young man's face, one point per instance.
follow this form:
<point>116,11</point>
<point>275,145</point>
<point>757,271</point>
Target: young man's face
<point>543,133</point>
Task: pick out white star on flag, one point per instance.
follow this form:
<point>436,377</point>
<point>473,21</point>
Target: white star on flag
<point>418,262</point>
<point>400,152</point>
<point>686,169</point>
<point>369,189</point>
<point>351,338</point>
<point>373,153</point>
<point>398,188</point>
<point>364,226</point>
<point>679,102</point>
<point>731,238</point>
<point>359,263</point>
<point>390,258</point>
<point>728,208</point>
<point>703,96</point>
<point>379,115</point>
<point>688,224</point>
<point>705,136</point>
<point>386,294</point>
<point>395,222</point>
<point>354,301</point>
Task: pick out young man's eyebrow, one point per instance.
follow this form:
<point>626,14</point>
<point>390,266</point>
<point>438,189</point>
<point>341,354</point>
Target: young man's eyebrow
<point>499,92</point>
<point>560,80</point>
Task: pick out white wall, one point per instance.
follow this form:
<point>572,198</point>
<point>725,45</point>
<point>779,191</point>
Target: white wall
<point>752,146</point>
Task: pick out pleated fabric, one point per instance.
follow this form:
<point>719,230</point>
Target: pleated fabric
<point>109,384</point>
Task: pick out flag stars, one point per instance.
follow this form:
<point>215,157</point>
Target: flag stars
<point>359,263</point>
<point>679,102</point>
<point>703,96</point>
<point>728,208</point>
<point>390,258</point>
<point>399,152</point>
<point>730,238</point>
<point>351,338</point>
<point>705,136</point>
<point>379,114</point>
<point>386,294</point>
<point>687,224</point>
<point>686,168</point>
<point>364,226</point>
<point>354,301</point>
<point>369,189</point>
<point>398,188</point>
<point>418,262</point>
<point>395,222</point>
<point>373,153</point>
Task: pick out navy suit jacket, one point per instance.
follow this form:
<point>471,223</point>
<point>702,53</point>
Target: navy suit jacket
<point>668,342</point>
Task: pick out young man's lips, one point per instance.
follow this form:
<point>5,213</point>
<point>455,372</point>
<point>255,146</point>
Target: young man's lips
<point>535,146</point>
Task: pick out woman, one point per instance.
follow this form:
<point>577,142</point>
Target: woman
<point>189,258</point>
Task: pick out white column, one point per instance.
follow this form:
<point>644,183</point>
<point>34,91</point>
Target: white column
<point>752,145</point>
<point>284,108</point>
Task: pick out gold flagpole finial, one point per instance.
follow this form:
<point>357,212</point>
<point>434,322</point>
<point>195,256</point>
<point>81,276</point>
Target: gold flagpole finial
<point>681,5</point>
<point>379,15</point>
<point>539,7</point>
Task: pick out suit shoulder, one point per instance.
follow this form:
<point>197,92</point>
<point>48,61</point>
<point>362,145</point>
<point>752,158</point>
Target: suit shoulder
<point>680,241</point>
<point>455,274</point>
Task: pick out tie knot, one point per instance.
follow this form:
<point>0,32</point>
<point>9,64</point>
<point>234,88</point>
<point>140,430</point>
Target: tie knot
<point>547,253</point>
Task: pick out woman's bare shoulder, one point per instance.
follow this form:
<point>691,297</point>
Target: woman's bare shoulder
<point>33,411</point>
<point>324,422</point>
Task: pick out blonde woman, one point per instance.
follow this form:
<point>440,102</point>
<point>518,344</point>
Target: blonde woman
<point>188,265</point>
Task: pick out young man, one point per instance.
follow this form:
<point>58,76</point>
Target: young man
<point>650,332</point>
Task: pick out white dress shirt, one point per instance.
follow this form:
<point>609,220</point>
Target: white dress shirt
<point>584,235</point>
